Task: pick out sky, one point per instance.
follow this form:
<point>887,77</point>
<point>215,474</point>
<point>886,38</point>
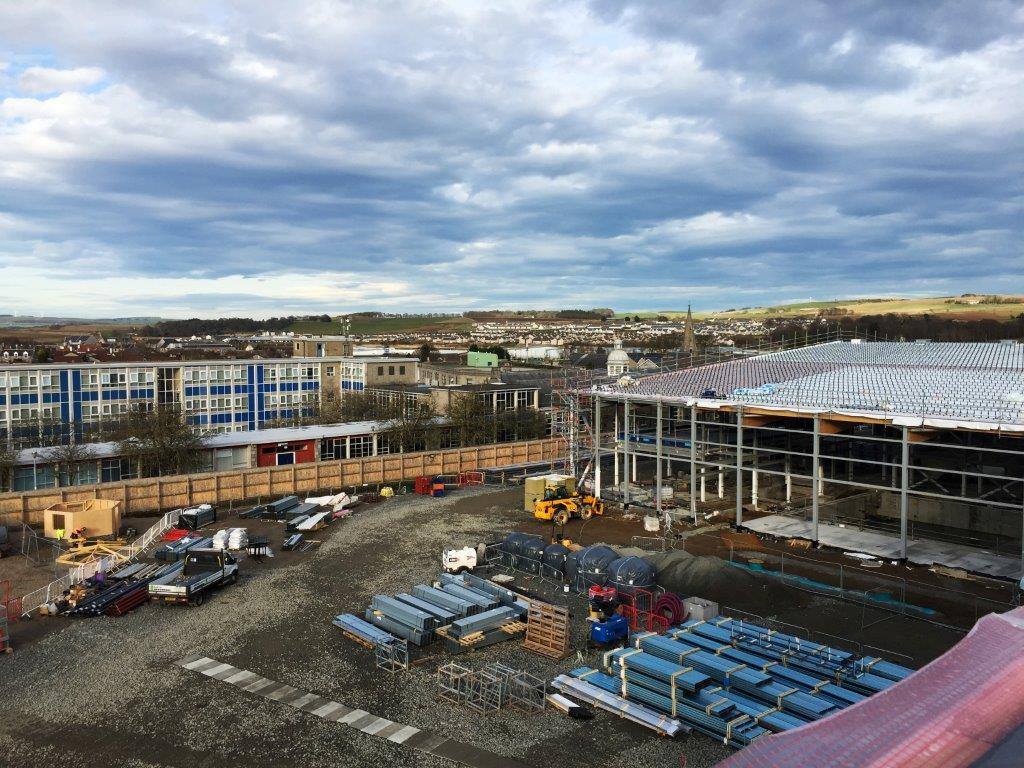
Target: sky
<point>216,158</point>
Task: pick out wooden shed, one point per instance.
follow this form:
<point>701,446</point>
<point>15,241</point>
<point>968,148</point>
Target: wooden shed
<point>99,517</point>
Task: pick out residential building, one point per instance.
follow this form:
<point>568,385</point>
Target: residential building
<point>357,373</point>
<point>499,397</point>
<point>215,395</point>
<point>321,346</point>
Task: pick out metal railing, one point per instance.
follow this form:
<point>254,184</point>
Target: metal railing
<point>79,573</point>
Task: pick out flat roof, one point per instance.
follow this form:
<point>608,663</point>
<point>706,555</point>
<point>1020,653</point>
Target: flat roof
<point>968,385</point>
<point>232,439</point>
<point>425,388</point>
<point>171,363</point>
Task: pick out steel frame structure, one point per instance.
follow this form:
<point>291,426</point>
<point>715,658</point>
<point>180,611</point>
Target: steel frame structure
<point>742,446</point>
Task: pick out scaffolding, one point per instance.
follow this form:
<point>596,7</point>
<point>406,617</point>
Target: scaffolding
<point>392,655</point>
<point>491,688</point>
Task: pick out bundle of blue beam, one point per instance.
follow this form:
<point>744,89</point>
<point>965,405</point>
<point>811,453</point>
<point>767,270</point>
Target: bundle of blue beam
<point>610,701</point>
<point>863,676</point>
<point>805,682</point>
<point>730,673</point>
<point>482,622</point>
<point>409,615</point>
<point>722,721</point>
<point>695,688</point>
<point>480,599</point>
<point>363,629</point>
<point>443,615</point>
<point>412,634</point>
<point>453,603</point>
<point>503,595</point>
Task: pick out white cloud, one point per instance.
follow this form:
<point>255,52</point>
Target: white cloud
<point>46,80</point>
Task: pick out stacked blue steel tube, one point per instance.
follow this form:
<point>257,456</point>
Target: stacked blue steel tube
<point>860,676</point>
<point>730,725</point>
<point>736,683</point>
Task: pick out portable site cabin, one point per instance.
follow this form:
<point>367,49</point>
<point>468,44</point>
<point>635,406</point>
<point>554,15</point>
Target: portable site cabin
<point>99,517</point>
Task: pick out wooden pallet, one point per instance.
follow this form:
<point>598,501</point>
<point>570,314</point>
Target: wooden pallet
<point>547,629</point>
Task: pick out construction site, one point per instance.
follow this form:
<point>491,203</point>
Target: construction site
<point>811,555</point>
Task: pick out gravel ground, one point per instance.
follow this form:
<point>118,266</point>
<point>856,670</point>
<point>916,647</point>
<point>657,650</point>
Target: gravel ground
<point>107,687</point>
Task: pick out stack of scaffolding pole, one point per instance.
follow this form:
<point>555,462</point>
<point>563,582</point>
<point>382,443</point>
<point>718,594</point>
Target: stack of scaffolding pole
<point>610,702</point>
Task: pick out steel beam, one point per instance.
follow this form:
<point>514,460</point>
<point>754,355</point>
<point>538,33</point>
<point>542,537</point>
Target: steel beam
<point>693,465</point>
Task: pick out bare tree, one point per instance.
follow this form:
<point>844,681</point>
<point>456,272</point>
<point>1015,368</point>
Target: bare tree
<point>159,441</point>
<point>413,429</point>
<point>66,458</point>
<point>8,461</point>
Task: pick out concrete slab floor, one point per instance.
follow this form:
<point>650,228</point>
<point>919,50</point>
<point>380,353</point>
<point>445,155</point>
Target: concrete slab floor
<point>920,551</point>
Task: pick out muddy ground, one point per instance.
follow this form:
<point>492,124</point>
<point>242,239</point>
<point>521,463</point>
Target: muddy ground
<point>106,690</point>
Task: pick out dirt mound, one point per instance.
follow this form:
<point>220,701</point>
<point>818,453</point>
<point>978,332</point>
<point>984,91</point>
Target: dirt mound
<point>708,577</point>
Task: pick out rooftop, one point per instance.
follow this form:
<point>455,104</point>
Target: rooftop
<point>975,384</point>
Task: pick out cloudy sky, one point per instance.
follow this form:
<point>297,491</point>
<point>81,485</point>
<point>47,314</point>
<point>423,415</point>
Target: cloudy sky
<point>180,158</point>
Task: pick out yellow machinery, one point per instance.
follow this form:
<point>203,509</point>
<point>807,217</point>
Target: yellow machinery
<point>561,505</point>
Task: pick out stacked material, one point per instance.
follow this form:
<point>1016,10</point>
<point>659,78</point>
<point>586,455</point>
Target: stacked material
<point>865,676</point>
<point>311,522</point>
<point>363,630</point>
<point>462,609</point>
<point>610,702</point>
<point>721,722</point>
<point>175,551</point>
<point>233,539</point>
<point>503,595</point>
<point>125,594</point>
<point>735,681</point>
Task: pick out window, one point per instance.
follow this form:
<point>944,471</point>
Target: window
<point>391,370</point>
<point>332,448</point>
<point>330,370</point>
<point>360,445</point>
<point>380,370</point>
<point>401,370</point>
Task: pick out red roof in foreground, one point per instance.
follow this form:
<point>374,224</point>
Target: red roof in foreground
<point>950,713</point>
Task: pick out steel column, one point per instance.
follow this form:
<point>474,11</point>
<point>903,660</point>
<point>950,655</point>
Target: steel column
<point>693,463</point>
<point>615,448</point>
<point>625,453</point>
<point>739,466</point>
<point>597,446</point>
<point>657,474</point>
<point>904,490</point>
<point>815,477</point>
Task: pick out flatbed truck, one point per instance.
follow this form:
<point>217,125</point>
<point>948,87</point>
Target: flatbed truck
<point>203,569</point>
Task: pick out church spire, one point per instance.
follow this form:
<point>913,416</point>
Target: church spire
<point>689,342</point>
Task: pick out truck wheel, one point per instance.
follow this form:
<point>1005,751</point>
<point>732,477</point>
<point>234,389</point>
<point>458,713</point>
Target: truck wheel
<point>198,599</point>
<point>586,513</point>
<point>562,516</point>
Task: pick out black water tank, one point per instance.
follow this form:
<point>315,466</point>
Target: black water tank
<point>629,573</point>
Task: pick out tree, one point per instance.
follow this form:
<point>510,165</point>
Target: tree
<point>66,457</point>
<point>472,420</point>
<point>413,429</point>
<point>159,441</point>
<point>425,351</point>
<point>8,461</point>
<point>41,355</point>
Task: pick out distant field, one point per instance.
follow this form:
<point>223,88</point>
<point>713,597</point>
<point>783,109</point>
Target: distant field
<point>362,326</point>
<point>50,335</point>
<point>936,305</point>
